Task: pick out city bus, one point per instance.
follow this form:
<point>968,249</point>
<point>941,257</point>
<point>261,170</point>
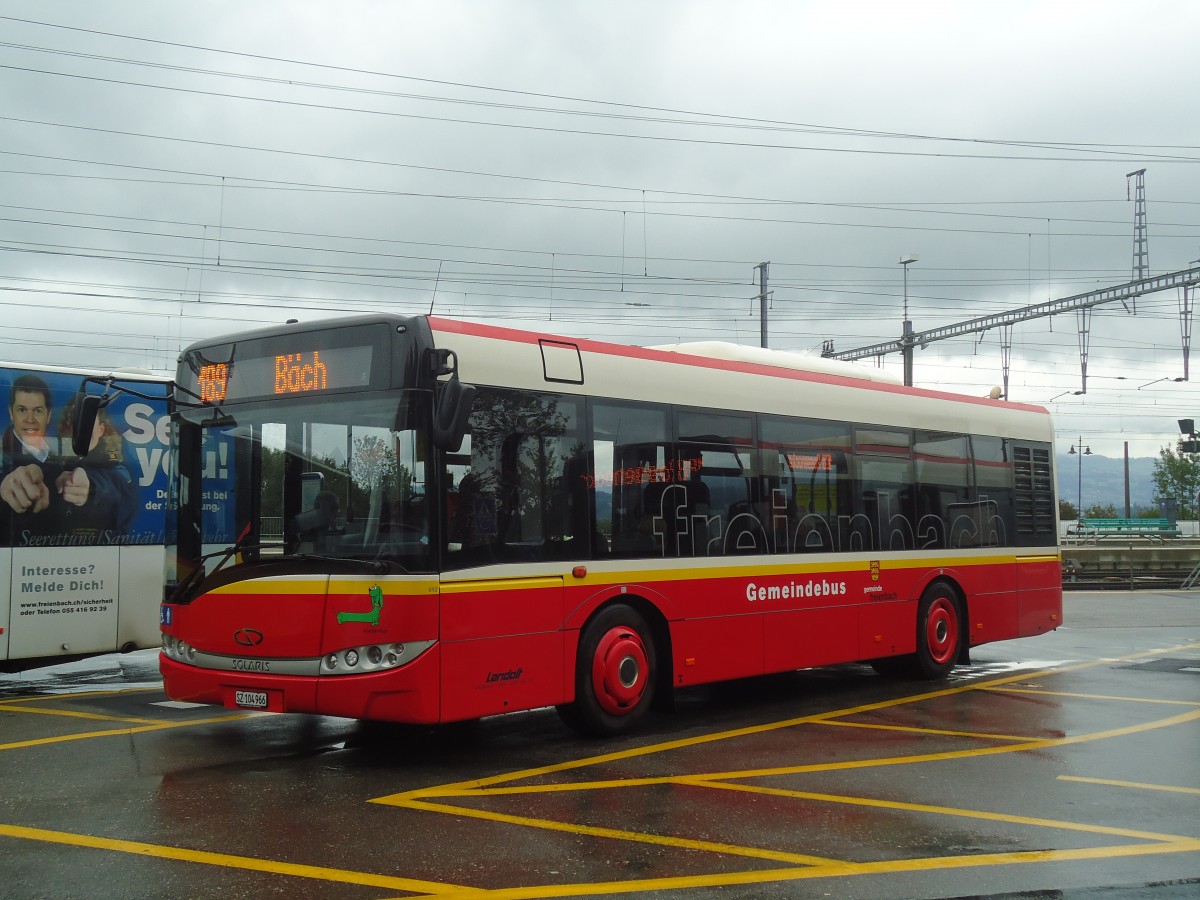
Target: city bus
<point>424,520</point>
<point>82,534</point>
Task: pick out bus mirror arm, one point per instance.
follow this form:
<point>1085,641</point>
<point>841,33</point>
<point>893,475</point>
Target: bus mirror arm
<point>86,407</point>
<point>451,413</point>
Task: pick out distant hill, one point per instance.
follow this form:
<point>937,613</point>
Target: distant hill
<point>1103,480</point>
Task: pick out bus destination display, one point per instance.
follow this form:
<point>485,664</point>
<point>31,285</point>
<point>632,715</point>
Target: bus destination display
<point>284,374</point>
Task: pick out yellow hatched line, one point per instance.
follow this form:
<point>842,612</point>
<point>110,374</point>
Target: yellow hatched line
<point>1041,744</point>
<point>454,788</point>
<point>74,714</point>
<point>1131,784</point>
<point>480,789</point>
<point>88,735</point>
<point>816,867</point>
<point>1012,690</point>
<point>254,864</point>
<point>501,785</point>
<point>618,834</point>
<point>912,729</point>
<point>939,810</point>
<point>81,695</point>
<point>476,786</point>
<point>834,870</point>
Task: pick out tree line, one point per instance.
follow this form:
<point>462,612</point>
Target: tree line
<point>1176,477</point>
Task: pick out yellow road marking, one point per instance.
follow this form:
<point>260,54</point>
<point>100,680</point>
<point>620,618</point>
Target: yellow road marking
<point>481,788</point>
<point>811,866</point>
<point>87,735</point>
<point>649,750</point>
<point>73,714</point>
<point>618,834</point>
<point>834,870</point>
<point>1013,690</point>
<point>503,785</point>
<point>39,698</point>
<point>1131,784</point>
<point>939,810</point>
<point>912,729</point>
<point>254,864</point>
<point>683,743</point>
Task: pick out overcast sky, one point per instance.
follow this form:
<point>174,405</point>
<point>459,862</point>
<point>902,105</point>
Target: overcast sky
<point>613,170</point>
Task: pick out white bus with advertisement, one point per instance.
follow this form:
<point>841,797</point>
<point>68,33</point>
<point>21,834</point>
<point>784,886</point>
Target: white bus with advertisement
<point>81,536</point>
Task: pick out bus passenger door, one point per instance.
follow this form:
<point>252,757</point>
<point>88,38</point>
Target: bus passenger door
<point>519,517</point>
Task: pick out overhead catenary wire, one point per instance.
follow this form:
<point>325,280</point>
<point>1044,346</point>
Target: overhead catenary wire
<point>263,267</point>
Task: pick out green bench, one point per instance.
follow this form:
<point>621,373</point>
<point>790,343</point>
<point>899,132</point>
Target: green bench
<point>1099,528</point>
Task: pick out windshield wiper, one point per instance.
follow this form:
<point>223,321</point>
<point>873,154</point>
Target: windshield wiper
<point>375,565</point>
<point>198,574</point>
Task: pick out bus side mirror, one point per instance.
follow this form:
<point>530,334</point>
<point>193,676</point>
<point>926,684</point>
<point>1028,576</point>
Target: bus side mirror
<point>451,414</point>
<point>83,421</point>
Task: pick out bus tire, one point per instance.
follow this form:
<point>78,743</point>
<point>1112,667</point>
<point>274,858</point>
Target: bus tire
<point>939,631</point>
<point>615,671</point>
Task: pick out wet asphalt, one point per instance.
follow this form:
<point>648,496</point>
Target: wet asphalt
<point>1061,766</point>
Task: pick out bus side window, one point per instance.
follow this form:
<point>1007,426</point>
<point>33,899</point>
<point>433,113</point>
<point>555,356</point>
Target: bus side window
<point>630,451</point>
<point>811,487</point>
<point>577,496</point>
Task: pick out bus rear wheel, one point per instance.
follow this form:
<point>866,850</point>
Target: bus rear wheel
<point>939,638</point>
<point>614,674</point>
<point>939,631</point>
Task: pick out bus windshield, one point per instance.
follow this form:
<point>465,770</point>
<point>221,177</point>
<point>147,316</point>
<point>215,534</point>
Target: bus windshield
<point>341,478</point>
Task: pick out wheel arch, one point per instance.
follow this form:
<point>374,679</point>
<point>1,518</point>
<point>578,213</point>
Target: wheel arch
<point>954,583</point>
<point>660,634</point>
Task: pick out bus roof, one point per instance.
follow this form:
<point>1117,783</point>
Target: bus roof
<point>801,362</point>
<point>723,376</point>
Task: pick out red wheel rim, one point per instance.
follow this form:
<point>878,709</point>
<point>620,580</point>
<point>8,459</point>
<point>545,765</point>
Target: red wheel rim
<point>941,630</point>
<point>619,671</point>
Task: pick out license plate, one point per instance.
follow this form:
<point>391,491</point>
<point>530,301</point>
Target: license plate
<point>250,699</point>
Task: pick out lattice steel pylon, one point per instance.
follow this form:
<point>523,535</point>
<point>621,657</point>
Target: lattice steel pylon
<point>1185,323</point>
<point>1141,240</point>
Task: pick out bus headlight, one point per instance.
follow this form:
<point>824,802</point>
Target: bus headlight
<point>178,650</point>
<point>371,658</point>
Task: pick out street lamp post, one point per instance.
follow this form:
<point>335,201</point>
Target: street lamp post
<point>1081,452</point>
<point>906,340</point>
<point>1190,446</point>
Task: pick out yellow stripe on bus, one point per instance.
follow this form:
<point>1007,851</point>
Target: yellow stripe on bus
<point>339,584</point>
<point>615,572</point>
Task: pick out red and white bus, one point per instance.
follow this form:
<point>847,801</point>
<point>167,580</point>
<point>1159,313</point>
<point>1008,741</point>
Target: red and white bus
<point>477,520</point>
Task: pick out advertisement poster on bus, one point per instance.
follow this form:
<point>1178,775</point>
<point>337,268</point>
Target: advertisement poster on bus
<point>65,519</point>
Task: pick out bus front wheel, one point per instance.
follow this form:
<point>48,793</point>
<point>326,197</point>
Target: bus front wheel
<point>614,674</point>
